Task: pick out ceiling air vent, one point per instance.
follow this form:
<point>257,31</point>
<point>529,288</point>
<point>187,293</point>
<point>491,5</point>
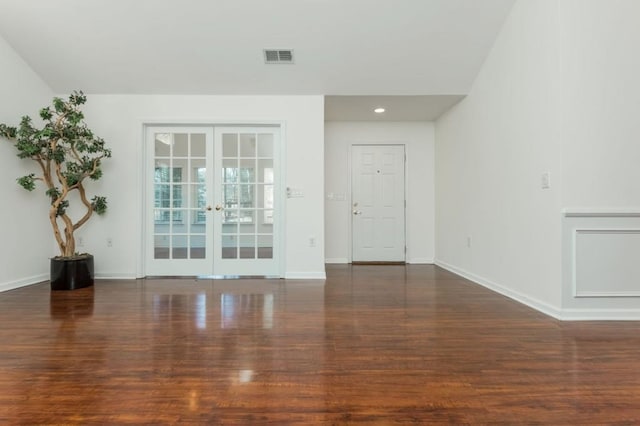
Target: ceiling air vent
<point>278,56</point>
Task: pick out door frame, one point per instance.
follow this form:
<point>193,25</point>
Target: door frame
<point>143,151</point>
<point>350,192</point>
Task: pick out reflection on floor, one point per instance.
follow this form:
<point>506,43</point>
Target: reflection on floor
<point>377,345</point>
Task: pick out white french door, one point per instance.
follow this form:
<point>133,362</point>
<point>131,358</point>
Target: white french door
<point>246,208</point>
<point>213,201</point>
<point>378,203</point>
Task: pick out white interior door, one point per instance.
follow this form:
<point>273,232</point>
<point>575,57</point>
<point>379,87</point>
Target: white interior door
<point>247,201</point>
<point>378,203</point>
<point>213,201</point>
<point>178,225</point>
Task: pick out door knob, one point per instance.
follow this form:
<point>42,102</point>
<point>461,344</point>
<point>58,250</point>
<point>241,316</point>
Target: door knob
<point>208,208</point>
<point>357,212</point>
<point>219,207</point>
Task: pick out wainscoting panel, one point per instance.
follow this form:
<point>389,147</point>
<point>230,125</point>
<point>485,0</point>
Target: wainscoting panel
<point>601,264</point>
<point>606,262</point>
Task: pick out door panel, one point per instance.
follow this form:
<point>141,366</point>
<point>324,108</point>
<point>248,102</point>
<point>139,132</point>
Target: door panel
<point>378,203</point>
<point>245,222</point>
<point>177,224</point>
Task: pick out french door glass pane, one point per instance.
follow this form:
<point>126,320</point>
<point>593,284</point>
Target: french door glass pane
<point>179,247</point>
<point>247,247</point>
<point>180,195</point>
<point>229,247</point>
<point>180,145</point>
<point>229,145</point>
<point>162,145</point>
<point>265,246</point>
<point>198,248</point>
<point>248,195</point>
<point>247,145</point>
<point>198,145</point>
<point>265,145</point>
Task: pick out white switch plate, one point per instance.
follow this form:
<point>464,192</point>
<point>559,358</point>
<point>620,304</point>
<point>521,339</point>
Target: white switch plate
<point>545,181</point>
<point>295,193</point>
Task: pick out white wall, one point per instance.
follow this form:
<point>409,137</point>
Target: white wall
<point>419,140</point>
<point>601,153</point>
<point>27,239</point>
<point>491,150</point>
<point>601,97</point>
<point>119,119</point>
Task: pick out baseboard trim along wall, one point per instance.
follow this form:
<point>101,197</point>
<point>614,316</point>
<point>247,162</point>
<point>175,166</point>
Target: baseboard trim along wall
<point>565,314</point>
<point>337,260</point>
<point>11,285</point>
<point>420,261</point>
<point>413,261</point>
<point>305,276</point>
<point>518,297</point>
<point>115,276</point>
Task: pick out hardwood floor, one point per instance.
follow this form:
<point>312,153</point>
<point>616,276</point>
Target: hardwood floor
<point>375,345</point>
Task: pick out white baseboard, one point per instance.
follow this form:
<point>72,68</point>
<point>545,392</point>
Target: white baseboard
<point>11,285</point>
<point>114,276</point>
<point>421,261</point>
<point>600,315</point>
<point>337,260</point>
<point>305,276</point>
<point>560,314</point>
<point>517,296</point>
<point>413,261</point>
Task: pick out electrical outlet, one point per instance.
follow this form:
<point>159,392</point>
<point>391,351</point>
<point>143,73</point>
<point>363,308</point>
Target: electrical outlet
<point>312,241</point>
<point>109,242</point>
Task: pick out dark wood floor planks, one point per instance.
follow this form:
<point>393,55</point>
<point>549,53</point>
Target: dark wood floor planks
<point>375,345</point>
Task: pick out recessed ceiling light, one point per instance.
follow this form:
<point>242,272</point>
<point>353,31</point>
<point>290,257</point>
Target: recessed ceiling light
<point>379,110</point>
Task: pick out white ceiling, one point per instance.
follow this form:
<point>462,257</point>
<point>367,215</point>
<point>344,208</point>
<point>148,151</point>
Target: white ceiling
<point>412,48</point>
<point>397,108</point>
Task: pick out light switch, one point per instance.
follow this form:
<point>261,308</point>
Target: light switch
<point>295,193</point>
<point>545,182</point>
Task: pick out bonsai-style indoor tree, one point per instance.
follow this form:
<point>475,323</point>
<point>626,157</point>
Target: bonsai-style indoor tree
<point>67,153</point>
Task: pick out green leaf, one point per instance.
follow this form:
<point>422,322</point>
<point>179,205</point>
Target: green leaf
<point>53,193</point>
<point>7,131</point>
<point>99,204</point>
<point>27,182</point>
<point>62,208</point>
<point>46,114</point>
<point>59,105</point>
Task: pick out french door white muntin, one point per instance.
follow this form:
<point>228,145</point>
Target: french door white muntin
<point>213,199</point>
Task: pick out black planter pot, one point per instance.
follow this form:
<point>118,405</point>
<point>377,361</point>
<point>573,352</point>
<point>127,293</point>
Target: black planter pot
<point>71,274</point>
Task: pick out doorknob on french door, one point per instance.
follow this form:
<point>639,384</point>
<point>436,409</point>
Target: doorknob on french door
<point>357,212</point>
<point>209,208</point>
<point>219,207</point>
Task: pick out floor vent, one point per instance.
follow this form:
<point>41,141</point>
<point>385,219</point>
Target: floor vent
<point>278,56</point>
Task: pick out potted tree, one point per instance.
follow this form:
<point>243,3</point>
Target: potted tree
<point>67,153</point>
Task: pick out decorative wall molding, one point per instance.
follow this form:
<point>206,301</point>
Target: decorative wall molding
<point>610,280</point>
<point>600,268</point>
<point>635,212</point>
